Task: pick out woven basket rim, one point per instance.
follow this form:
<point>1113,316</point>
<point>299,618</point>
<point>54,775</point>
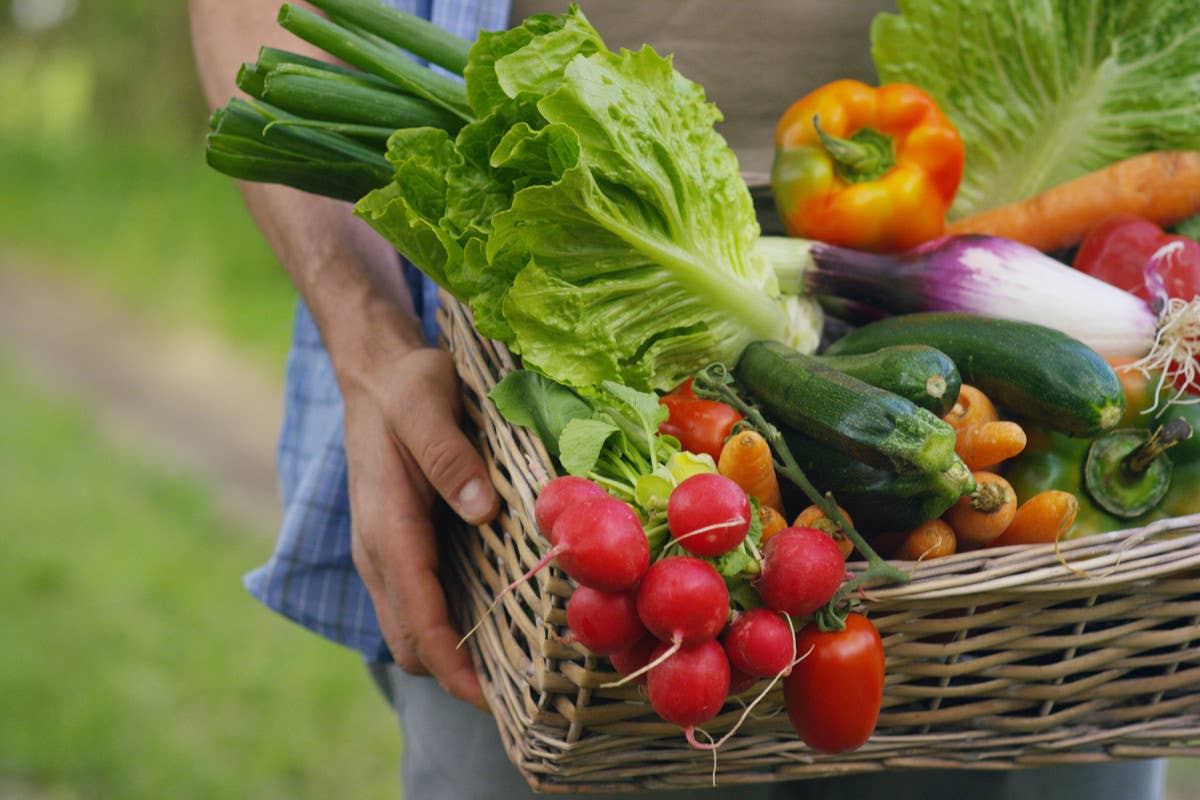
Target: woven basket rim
<point>1000,658</point>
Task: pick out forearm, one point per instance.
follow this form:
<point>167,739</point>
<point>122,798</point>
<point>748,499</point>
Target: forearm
<point>347,275</point>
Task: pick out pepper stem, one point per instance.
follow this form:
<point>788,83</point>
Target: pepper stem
<point>1141,457</point>
<point>867,155</point>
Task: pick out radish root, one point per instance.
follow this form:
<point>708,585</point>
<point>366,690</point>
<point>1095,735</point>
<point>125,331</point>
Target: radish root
<point>714,527</point>
<point>676,643</point>
<point>1175,349</point>
<point>543,561</point>
<point>758,699</point>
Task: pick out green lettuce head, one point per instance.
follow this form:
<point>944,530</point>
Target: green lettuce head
<point>591,217</point>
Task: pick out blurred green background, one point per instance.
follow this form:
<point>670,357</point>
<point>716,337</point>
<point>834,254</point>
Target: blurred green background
<point>132,663</point>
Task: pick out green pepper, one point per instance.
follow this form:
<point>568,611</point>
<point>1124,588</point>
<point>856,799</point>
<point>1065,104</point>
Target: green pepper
<point>1183,497</point>
<point>1055,461</point>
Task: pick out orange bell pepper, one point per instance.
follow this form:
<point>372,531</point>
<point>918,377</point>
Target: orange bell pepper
<point>869,168</point>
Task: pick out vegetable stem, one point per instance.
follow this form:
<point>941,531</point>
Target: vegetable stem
<point>865,156</point>
<point>308,93</point>
<point>418,36</point>
<point>715,382</point>
<point>1140,458</point>
<point>394,66</point>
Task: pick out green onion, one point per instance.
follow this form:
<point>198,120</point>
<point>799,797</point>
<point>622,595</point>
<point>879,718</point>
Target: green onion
<point>341,181</point>
<point>390,64</point>
<point>418,36</point>
<point>305,92</point>
<point>258,142</point>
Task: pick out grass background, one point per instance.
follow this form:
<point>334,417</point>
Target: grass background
<point>132,663</point>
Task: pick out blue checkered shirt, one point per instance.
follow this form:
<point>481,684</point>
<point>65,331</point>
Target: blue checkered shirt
<point>310,578</point>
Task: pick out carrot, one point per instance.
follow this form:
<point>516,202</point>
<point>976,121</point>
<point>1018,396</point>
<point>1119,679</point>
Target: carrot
<point>1139,388</point>
<point>986,444</point>
<point>1042,518</point>
<point>982,515</point>
<point>971,408</point>
<point>814,517</point>
<point>932,539</point>
<point>1162,186</point>
<point>746,460</point>
<point>772,522</point>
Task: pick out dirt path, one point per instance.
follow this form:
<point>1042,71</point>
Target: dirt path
<point>183,400</point>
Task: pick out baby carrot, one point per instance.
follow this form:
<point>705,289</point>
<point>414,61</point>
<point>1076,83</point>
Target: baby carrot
<point>746,460</point>
<point>1162,186</point>
<point>772,522</point>
<point>932,539</point>
<point>814,517</point>
<point>986,444</point>
<point>971,408</point>
<point>1042,518</point>
<point>982,515</point>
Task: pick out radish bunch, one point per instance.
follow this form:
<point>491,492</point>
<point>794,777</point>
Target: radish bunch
<point>671,623</point>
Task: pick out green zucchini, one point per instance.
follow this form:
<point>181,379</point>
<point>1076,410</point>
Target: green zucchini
<point>1037,373</point>
<point>924,375</point>
<point>879,500</point>
<point>870,424</point>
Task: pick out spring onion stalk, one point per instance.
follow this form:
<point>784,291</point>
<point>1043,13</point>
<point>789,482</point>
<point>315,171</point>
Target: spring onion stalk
<point>302,92</point>
<point>984,275</point>
<point>323,127</point>
<point>244,143</point>
<point>418,36</point>
<point>271,58</point>
<point>391,64</point>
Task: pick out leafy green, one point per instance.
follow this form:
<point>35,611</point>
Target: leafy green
<point>1045,92</point>
<point>534,401</point>
<point>609,435</point>
<point>591,216</point>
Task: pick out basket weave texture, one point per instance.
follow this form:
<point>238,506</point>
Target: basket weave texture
<point>1011,657</point>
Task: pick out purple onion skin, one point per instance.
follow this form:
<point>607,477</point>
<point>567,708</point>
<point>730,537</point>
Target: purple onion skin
<point>953,273</point>
<point>989,276</point>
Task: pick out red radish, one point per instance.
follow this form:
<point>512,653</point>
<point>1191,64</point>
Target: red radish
<point>760,643</point>
<point>634,658</point>
<point>604,622</point>
<point>689,687</point>
<point>684,600</point>
<point>738,680</point>
<point>560,494</point>
<point>600,543</point>
<point>801,570</point>
<point>708,514</point>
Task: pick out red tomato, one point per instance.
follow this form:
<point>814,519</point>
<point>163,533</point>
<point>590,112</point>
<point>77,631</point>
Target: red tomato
<point>833,695</point>
<point>1117,250</point>
<point>701,426</point>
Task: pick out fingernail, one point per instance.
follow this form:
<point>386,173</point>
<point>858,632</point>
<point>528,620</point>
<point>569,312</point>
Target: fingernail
<point>473,500</point>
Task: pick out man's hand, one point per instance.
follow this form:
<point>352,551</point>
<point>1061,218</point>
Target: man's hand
<point>402,436</point>
<point>402,440</point>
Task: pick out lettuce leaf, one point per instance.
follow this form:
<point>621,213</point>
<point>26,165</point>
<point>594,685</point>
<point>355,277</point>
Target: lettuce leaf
<point>591,216</point>
<point>1045,92</point>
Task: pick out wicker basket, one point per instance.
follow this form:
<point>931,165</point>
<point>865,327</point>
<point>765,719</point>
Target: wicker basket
<point>995,659</point>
